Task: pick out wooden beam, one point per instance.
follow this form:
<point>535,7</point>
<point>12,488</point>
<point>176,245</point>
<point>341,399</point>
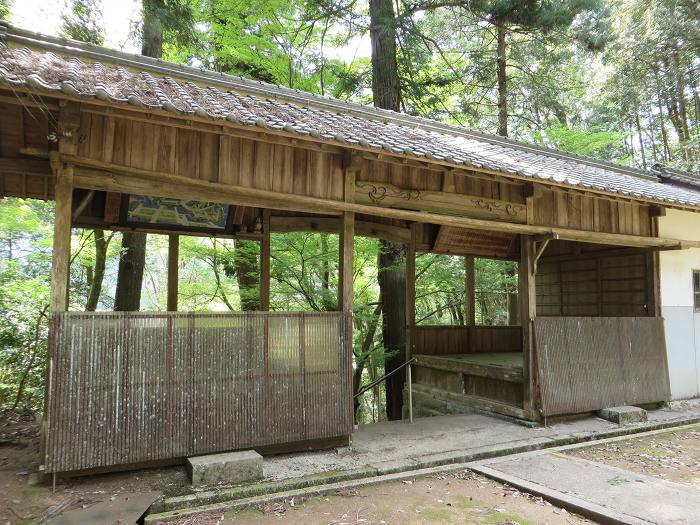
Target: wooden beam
<point>60,257</point>
<point>80,208</point>
<point>390,196</point>
<point>265,262</point>
<point>173,267</point>
<point>92,222</point>
<point>527,295</point>
<point>132,180</point>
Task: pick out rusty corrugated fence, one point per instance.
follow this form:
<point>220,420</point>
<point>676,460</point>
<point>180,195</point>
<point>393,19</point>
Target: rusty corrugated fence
<point>589,363</point>
<point>137,387</point>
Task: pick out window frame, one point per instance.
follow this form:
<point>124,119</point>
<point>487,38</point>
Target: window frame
<point>696,290</point>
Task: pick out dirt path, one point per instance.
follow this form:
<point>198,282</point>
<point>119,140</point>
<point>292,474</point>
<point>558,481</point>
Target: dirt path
<point>672,455</point>
<point>464,498</point>
<point>23,500</point>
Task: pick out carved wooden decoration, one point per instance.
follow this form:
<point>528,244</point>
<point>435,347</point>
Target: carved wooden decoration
<point>387,195</point>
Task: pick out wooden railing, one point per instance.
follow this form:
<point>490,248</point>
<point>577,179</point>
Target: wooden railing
<point>130,388</point>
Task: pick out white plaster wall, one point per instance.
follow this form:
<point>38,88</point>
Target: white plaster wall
<point>682,324</point>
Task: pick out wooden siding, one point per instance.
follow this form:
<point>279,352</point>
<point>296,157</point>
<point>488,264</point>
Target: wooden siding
<point>437,340</point>
<point>591,213</point>
<point>215,158</point>
<point>23,131</point>
<point>595,286</point>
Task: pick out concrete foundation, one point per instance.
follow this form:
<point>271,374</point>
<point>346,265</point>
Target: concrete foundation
<point>229,467</point>
<point>624,415</point>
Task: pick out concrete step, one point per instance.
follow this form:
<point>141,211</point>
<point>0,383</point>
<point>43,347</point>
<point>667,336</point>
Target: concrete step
<point>624,415</point>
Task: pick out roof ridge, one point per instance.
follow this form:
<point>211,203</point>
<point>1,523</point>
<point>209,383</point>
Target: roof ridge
<point>304,98</point>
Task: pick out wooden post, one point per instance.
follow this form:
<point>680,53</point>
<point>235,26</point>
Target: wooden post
<point>470,290</point>
<point>265,262</point>
<point>346,293</point>
<point>173,267</point>
<point>60,258</point>
<point>411,294</point>
<point>527,294</point>
<point>347,253</point>
<point>352,164</point>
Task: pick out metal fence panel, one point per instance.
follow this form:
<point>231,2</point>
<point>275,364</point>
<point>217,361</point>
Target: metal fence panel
<point>589,363</point>
<point>137,387</point>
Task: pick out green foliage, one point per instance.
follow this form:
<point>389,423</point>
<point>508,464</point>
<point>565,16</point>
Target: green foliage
<point>25,254</point>
<point>84,22</point>
<point>5,9</point>
<point>593,143</point>
<point>441,290</point>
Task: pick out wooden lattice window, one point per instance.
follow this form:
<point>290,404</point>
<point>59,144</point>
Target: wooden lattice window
<point>696,290</point>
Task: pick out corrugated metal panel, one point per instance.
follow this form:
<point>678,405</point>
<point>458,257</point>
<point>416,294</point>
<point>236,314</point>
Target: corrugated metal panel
<point>137,387</point>
<point>589,363</point>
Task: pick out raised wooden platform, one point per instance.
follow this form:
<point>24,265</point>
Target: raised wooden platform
<point>504,366</point>
<point>488,381</point>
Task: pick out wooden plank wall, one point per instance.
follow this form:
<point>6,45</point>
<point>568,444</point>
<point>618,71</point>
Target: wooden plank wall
<point>450,340</point>
<point>587,212</point>
<point>24,130</point>
<point>211,157</point>
<point>594,286</point>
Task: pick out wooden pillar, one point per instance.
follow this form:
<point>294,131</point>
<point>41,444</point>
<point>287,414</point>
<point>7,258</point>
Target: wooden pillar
<point>60,258</point>
<point>470,290</point>
<point>68,131</point>
<point>527,295</point>
<point>352,164</point>
<point>173,267</point>
<point>411,293</point>
<point>347,254</point>
<point>265,262</point>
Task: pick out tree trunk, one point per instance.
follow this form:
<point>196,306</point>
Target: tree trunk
<point>502,80</point>
<point>386,92</point>
<point>248,275</point>
<point>641,139</point>
<point>152,42</point>
<point>130,276</point>
<point>98,272</point>
<point>386,87</point>
<point>392,294</point>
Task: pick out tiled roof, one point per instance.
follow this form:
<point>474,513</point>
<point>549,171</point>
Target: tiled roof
<point>45,64</point>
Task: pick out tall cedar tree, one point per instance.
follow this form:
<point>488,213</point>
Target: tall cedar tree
<point>539,17</point>
<point>386,93</point>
